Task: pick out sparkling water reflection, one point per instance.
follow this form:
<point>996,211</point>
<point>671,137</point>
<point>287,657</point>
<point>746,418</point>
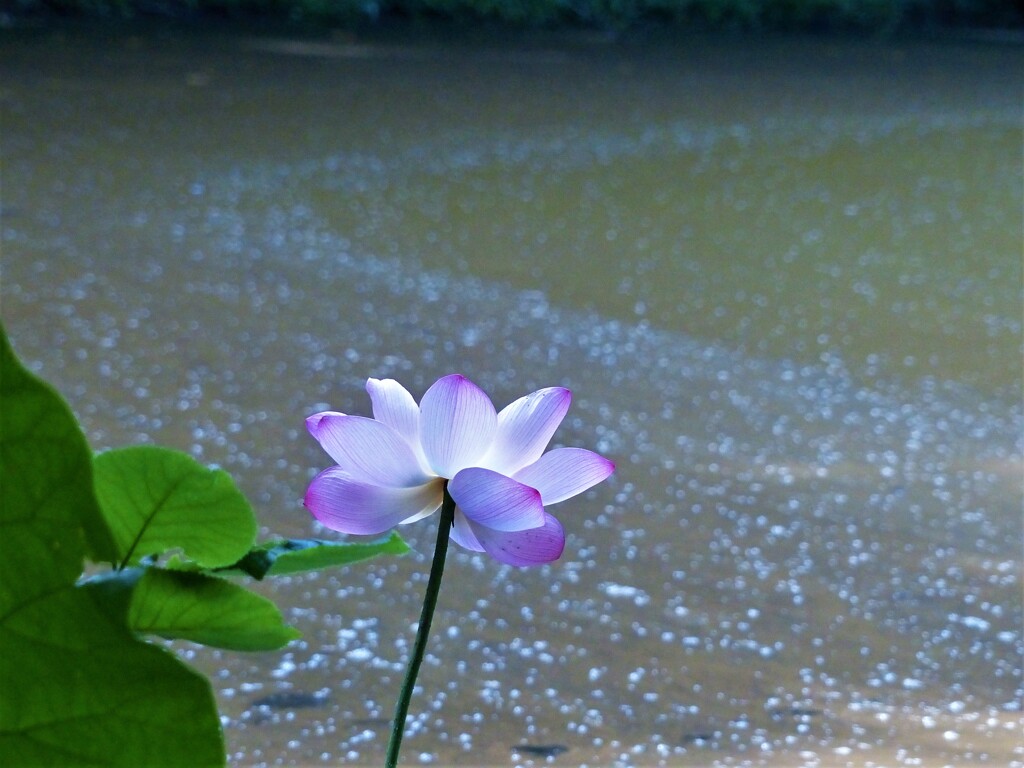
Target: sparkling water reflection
<point>791,318</point>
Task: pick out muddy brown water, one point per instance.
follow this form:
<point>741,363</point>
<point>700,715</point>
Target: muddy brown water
<point>782,277</point>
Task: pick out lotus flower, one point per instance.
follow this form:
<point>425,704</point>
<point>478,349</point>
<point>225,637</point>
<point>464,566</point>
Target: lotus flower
<point>392,469</point>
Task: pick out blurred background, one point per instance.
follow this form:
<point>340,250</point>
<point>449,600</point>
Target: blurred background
<point>773,248</point>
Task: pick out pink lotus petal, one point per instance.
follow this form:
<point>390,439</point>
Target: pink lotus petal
<point>419,515</point>
<point>457,422</point>
<point>345,504</point>
<point>532,547</point>
<point>394,406</point>
<point>463,535</point>
<point>313,422</point>
<point>525,428</point>
<point>491,499</point>
<point>368,450</point>
<point>564,472</point>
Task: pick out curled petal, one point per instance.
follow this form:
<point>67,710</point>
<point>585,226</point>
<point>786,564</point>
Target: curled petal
<point>457,422</point>
<point>344,503</point>
<point>463,535</point>
<point>367,449</point>
<point>394,406</point>
<point>491,499</point>
<point>525,428</point>
<point>419,515</point>
<point>564,472</point>
<point>313,422</point>
<point>535,546</point>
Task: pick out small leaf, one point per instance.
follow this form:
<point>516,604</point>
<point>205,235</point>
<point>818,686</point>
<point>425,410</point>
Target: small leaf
<point>208,610</point>
<point>284,556</point>
<point>157,499</point>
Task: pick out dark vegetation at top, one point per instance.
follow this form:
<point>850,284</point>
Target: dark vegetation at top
<point>863,16</point>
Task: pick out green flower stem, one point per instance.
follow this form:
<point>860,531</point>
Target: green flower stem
<point>423,633</point>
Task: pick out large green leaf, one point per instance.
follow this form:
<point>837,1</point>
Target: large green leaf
<point>76,688</point>
<point>284,556</point>
<point>156,499</point>
<point>47,479</point>
<point>208,610</point>
<point>80,690</point>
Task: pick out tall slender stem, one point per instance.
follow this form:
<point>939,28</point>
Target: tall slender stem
<point>423,633</point>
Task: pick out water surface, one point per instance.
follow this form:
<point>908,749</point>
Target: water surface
<point>783,279</point>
